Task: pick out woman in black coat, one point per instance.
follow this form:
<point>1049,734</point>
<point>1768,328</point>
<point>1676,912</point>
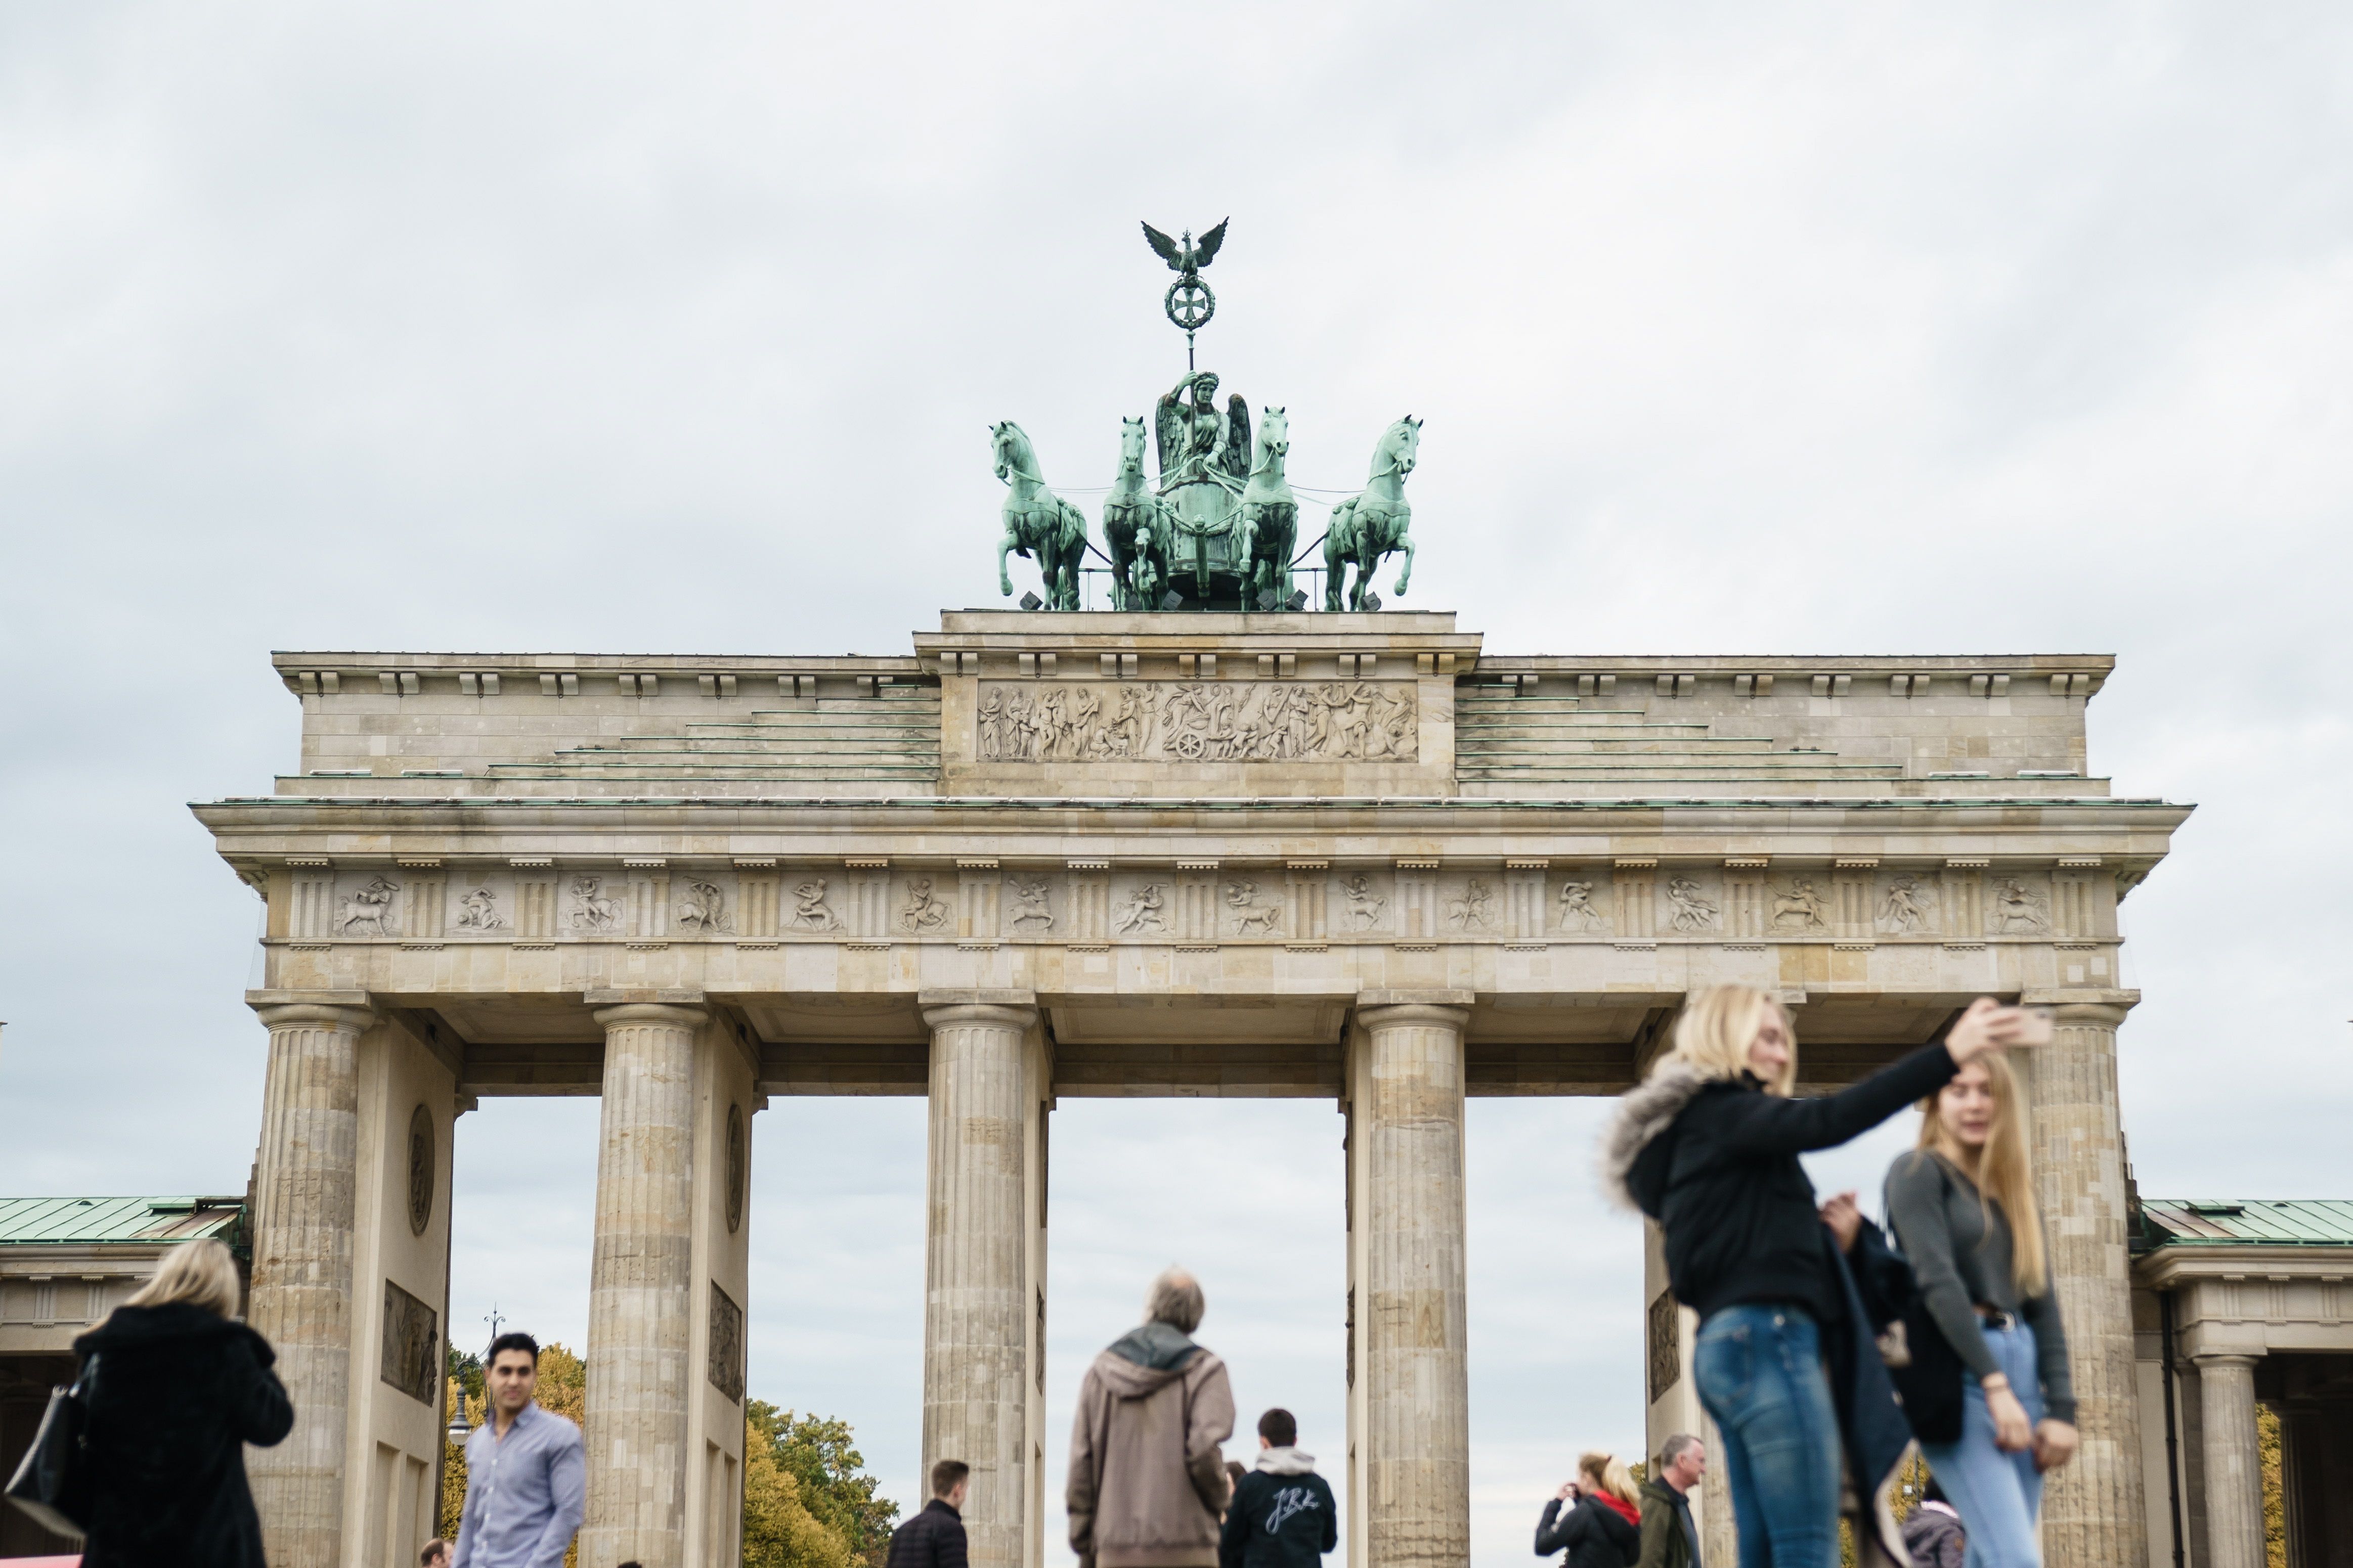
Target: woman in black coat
<point>179,1388</point>
<point>1602,1528</point>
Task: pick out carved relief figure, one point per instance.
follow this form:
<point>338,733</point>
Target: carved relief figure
<point>1692,911</point>
<point>1199,721</point>
<point>591,911</point>
<point>2015,909</point>
<point>703,908</point>
<point>1576,911</point>
<point>1905,907</point>
<point>1470,913</point>
<point>1801,905</point>
<point>924,913</point>
<point>368,909</point>
<point>1144,912</point>
<point>1250,915</point>
<point>479,910</point>
<point>810,911</point>
<point>1030,905</point>
<point>1365,907</point>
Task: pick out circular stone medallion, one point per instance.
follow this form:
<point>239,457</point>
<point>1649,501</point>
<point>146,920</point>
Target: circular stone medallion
<point>420,1171</point>
<point>736,1171</point>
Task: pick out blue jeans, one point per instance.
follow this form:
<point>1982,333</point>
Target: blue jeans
<point>1759,1371</point>
<point>1997,1495</point>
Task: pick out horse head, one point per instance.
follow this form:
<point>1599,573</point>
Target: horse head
<point>1013,453</point>
<point>1399,449</point>
<point>1131,445</point>
<point>1273,438</point>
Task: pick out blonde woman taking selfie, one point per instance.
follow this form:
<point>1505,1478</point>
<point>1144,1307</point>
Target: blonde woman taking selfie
<point>1962,1206</point>
<point>1707,1146</point>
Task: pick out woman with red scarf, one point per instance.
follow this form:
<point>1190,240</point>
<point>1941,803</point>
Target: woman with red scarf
<point>1603,1530</point>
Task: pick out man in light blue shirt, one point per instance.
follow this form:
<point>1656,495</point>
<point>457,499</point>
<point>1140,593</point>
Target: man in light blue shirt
<point>526,1474</point>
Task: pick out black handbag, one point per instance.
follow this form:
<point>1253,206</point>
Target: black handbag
<point>51,1484</point>
<point>1920,1362</point>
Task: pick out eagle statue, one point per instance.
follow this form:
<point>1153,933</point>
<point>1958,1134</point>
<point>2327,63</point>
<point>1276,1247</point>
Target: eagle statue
<point>1187,257</point>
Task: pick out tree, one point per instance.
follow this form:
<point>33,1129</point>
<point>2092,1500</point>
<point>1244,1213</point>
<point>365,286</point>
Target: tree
<point>828,1480</point>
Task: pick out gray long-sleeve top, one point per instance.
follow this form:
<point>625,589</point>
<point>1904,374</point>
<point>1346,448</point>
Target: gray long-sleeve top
<point>1959,1249</point>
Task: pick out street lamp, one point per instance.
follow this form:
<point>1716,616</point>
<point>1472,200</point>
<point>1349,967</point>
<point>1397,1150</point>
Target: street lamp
<point>459,1429</point>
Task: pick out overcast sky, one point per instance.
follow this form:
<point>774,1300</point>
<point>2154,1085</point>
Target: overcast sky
<point>1837,329</point>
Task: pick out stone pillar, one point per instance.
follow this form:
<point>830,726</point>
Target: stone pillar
<point>978,1282</point>
<point>2092,1511</point>
<point>640,1289</point>
<point>2234,1479</point>
<point>1406,1086</point>
<point>305,1189</point>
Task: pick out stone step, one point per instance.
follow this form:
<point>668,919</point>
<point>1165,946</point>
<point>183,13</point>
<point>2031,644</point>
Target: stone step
<point>631,772</point>
<point>927,734</point>
<point>1631,772</point>
<point>1689,745</point>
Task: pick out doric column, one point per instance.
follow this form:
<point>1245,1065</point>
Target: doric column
<point>2093,1515</point>
<point>977,1311</point>
<point>2234,1481</point>
<point>1407,1090</point>
<point>305,1188</point>
<point>640,1289</point>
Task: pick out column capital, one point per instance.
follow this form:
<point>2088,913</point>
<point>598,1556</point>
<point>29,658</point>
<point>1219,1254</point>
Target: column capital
<point>1001,1014</point>
<point>2079,1007</point>
<point>1393,1009</point>
<point>2204,1359</point>
<point>335,1009</point>
<point>672,1013</point>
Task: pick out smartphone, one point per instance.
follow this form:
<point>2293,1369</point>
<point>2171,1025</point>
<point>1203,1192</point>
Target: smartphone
<point>2034,1026</point>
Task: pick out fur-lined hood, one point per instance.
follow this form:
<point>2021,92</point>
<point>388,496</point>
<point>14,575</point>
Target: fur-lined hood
<point>1643,1113</point>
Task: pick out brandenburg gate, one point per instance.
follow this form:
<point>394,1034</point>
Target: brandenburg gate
<point>1351,856</point>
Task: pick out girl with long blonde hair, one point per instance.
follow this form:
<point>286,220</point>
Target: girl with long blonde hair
<point>1962,1206</point>
<point>1708,1146</point>
<point>177,1387</point>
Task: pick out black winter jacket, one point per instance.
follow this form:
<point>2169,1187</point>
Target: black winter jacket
<point>1597,1536</point>
<point>932,1539</point>
<point>1280,1518</point>
<point>1716,1163</point>
<point>177,1394</point>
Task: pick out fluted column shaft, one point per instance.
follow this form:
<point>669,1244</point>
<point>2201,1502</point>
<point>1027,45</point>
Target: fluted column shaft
<point>1409,1111</point>
<point>976,1314</point>
<point>641,1285</point>
<point>305,1189</point>
<point>2234,1480</point>
<point>2093,1515</point>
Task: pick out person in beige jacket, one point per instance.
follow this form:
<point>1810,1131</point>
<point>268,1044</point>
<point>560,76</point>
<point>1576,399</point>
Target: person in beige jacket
<point>1147,1479</point>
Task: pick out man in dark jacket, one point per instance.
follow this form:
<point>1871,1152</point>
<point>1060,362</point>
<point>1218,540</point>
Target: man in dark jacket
<point>934,1537</point>
<point>1669,1534</point>
<point>1282,1515</point>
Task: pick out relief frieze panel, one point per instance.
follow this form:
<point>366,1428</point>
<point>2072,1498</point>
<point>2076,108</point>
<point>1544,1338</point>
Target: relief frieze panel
<point>1198,722</point>
<point>1520,902</point>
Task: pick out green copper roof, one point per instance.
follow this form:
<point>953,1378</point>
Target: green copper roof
<point>2290,1222</point>
<point>27,1222</point>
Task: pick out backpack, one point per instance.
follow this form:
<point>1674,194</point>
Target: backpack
<point>1920,1362</point>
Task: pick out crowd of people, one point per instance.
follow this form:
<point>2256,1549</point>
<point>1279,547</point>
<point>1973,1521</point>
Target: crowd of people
<point>1827,1348</point>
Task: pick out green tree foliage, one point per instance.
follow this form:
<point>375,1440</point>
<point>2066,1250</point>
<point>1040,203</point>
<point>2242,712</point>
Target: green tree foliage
<point>827,1482</point>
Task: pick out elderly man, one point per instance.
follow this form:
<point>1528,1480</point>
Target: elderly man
<point>1147,1479</point>
<point>1670,1536</point>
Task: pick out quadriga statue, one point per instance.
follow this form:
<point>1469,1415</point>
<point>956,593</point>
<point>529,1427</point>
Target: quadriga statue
<point>1371,524</point>
<point>1037,522</point>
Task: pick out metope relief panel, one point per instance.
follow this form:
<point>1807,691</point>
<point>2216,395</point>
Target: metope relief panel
<point>1361,903</point>
<point>1204,722</point>
<point>704,904</point>
<point>1908,904</point>
<point>1030,906</point>
<point>1142,907</point>
<point>367,904</point>
<point>1251,906</point>
<point>1690,902</point>
<point>1581,907</point>
<point>1471,904</point>
<point>922,908</point>
<point>2016,906</point>
<point>481,906</point>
